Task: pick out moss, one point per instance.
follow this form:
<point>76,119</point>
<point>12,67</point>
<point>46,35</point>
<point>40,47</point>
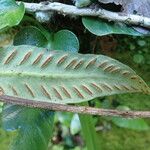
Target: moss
<point>124,139</point>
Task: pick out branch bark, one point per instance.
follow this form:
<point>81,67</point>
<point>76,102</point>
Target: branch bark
<point>65,9</point>
<point>74,109</point>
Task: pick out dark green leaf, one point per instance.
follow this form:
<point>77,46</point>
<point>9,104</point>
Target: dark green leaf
<point>30,36</point>
<point>64,40</point>
<point>34,127</point>
<point>100,27</point>
<point>10,13</point>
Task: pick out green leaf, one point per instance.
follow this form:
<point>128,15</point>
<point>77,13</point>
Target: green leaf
<point>100,27</point>
<point>136,124</point>
<point>10,13</point>
<point>64,40</point>
<point>89,132</point>
<point>30,36</point>
<point>34,127</point>
<point>64,77</point>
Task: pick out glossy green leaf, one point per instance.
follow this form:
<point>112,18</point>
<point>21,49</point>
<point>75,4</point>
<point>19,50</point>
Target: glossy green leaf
<point>34,127</point>
<point>10,13</point>
<point>100,27</point>
<point>30,36</point>
<point>64,40</point>
<point>64,77</point>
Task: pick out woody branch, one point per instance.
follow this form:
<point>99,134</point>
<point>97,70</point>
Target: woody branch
<point>74,109</point>
<point>65,9</point>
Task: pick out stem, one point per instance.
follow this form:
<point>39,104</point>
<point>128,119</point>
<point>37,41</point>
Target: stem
<point>65,9</point>
<point>74,109</point>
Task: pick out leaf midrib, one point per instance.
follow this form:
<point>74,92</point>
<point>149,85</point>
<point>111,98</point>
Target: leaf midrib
<point>21,74</point>
<point>51,75</point>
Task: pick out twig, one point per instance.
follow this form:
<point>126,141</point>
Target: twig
<point>74,109</point>
<point>65,9</point>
